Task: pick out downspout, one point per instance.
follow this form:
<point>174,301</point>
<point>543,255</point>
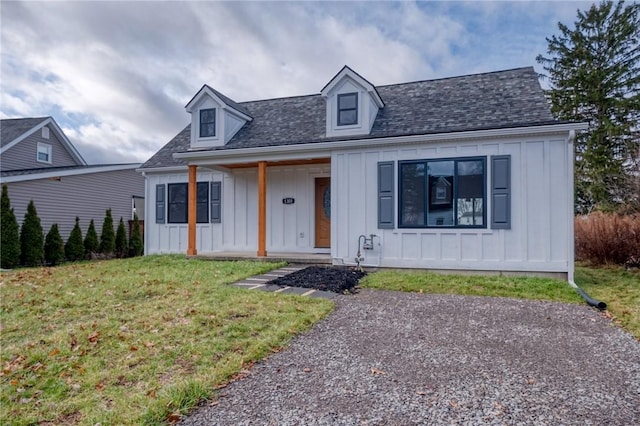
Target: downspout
<point>571,258</point>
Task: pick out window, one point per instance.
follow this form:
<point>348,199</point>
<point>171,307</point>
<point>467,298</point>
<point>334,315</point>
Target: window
<point>347,109</point>
<point>207,123</point>
<point>178,202</point>
<point>443,193</point>
<point>44,153</point>
<point>45,132</point>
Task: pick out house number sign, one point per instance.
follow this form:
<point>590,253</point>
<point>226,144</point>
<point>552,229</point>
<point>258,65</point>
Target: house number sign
<point>288,200</point>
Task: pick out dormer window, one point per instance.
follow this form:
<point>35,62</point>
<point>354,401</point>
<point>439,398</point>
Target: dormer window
<point>208,123</point>
<point>347,109</point>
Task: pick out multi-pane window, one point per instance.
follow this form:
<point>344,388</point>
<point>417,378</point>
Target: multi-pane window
<point>43,154</point>
<point>207,123</point>
<point>178,202</point>
<point>347,109</point>
<point>443,193</point>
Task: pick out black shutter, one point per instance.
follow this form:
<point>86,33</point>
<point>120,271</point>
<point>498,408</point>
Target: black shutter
<point>160,203</point>
<point>216,202</point>
<point>501,192</point>
<point>386,208</point>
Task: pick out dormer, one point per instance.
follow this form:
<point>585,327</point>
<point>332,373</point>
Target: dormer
<point>352,104</point>
<point>215,119</point>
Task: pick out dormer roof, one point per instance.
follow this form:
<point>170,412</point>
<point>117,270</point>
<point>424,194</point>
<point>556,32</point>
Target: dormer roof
<point>347,72</point>
<point>220,98</point>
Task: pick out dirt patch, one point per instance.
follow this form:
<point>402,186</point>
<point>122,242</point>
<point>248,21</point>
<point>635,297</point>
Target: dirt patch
<point>334,279</point>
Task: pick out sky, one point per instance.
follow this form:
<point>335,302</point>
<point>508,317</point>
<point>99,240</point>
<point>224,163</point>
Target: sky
<point>117,75</point>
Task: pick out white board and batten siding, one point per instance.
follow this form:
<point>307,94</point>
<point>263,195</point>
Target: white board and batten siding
<point>290,227</point>
<point>540,204</point>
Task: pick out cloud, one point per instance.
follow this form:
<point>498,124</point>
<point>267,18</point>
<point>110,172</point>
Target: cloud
<point>116,75</point>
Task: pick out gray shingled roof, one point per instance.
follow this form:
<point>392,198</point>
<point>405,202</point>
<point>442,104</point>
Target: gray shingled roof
<point>12,128</point>
<point>511,98</point>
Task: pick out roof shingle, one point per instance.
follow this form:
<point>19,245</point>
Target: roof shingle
<point>511,98</point>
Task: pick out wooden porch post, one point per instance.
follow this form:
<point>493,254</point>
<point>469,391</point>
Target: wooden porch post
<point>262,208</point>
<point>191,208</point>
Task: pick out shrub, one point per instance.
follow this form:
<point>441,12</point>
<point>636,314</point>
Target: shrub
<point>53,246</point>
<point>9,233</point>
<point>91,243</point>
<point>121,240</point>
<point>136,246</point>
<point>607,238</point>
<point>31,238</point>
<point>74,249</point>
<point>107,237</point>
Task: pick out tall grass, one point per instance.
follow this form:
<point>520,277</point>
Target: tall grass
<point>608,238</point>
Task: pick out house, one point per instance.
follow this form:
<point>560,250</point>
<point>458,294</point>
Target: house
<point>465,173</point>
<point>39,163</point>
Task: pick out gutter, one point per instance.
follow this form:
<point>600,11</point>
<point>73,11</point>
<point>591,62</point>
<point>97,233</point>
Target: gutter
<point>590,300</point>
<point>304,148</point>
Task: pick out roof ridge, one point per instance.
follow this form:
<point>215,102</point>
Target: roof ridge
<point>458,76</point>
<point>398,84</point>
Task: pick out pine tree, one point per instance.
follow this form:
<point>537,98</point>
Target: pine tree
<point>53,246</point>
<point>107,237</point>
<point>91,243</point>
<point>594,71</point>
<point>121,240</point>
<point>9,233</point>
<point>31,238</point>
<point>136,246</point>
<point>74,249</point>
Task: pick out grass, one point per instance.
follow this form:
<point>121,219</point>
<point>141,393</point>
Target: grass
<point>134,341</point>
<point>618,288</point>
<point>473,285</point>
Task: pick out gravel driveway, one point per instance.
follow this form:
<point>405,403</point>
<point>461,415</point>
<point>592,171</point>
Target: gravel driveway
<point>389,358</point>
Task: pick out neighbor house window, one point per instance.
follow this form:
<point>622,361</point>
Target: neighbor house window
<point>207,123</point>
<point>44,153</point>
<point>443,193</point>
<point>347,109</point>
<point>178,202</point>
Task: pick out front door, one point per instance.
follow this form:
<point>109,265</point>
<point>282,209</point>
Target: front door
<point>323,212</point>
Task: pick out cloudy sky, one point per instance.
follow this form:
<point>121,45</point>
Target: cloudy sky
<point>117,75</point>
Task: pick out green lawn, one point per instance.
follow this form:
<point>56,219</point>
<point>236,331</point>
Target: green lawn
<point>134,341</point>
<point>473,285</point>
<point>619,289</point>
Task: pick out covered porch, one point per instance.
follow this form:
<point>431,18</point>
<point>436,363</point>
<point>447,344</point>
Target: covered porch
<point>301,258</point>
<point>266,206</point>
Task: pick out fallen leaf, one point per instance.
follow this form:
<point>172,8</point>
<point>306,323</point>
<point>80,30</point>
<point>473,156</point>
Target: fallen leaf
<point>378,372</point>
<point>307,370</point>
<point>133,348</point>
<point>54,352</point>
<point>99,386</point>
<point>173,417</point>
<point>93,337</point>
<point>149,344</point>
<point>421,393</point>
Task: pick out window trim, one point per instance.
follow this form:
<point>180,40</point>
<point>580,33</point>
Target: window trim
<point>214,122</point>
<point>343,95</point>
<point>455,160</point>
<point>46,148</point>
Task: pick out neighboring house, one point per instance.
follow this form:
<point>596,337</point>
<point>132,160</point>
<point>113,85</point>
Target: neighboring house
<point>462,173</point>
<point>39,163</point>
